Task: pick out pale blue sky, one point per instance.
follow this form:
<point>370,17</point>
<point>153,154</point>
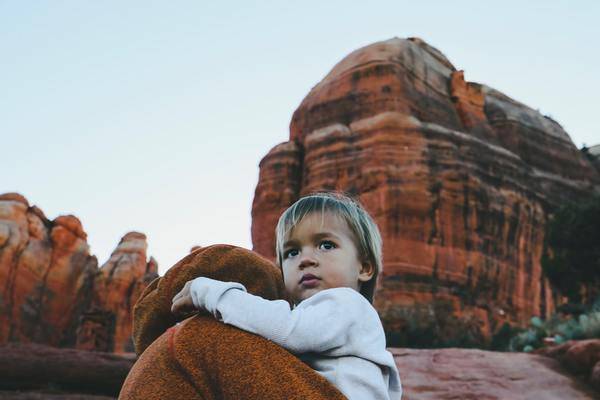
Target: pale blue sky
<point>153,115</point>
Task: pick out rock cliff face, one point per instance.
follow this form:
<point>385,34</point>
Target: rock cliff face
<point>458,176</point>
<point>51,290</point>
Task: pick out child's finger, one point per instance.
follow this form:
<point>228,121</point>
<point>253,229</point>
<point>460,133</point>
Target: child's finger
<point>177,308</point>
<point>178,295</point>
<point>183,304</point>
<point>182,292</point>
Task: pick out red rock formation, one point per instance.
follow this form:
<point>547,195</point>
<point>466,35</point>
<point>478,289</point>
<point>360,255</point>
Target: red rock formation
<point>458,176</point>
<point>579,357</point>
<point>106,325</point>
<point>278,187</point>
<point>46,274</point>
<point>52,291</point>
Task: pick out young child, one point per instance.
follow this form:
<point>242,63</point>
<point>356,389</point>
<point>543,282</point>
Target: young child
<point>329,250</point>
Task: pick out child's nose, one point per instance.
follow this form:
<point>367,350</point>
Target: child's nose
<point>308,259</point>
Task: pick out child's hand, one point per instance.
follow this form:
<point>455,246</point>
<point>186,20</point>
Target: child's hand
<point>182,302</point>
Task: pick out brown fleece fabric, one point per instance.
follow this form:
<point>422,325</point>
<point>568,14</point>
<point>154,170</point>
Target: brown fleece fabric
<point>202,358</point>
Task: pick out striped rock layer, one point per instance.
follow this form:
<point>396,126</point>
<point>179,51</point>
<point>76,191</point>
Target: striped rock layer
<point>459,177</point>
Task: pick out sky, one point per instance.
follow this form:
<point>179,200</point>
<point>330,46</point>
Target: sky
<point>152,116</point>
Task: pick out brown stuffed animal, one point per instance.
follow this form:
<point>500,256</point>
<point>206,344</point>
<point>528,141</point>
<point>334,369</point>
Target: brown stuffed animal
<point>202,358</point>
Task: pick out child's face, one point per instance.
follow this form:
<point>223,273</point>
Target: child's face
<point>318,254</point>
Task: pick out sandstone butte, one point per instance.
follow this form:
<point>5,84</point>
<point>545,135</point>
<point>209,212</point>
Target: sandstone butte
<point>52,291</point>
<point>459,177</point>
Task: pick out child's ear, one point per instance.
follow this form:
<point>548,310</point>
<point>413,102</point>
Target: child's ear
<point>366,272</point>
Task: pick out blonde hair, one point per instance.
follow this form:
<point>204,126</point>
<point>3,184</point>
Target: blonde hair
<point>367,238</point>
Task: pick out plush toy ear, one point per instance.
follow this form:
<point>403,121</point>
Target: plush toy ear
<point>366,272</point>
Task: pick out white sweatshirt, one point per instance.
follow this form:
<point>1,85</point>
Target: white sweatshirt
<point>336,331</point>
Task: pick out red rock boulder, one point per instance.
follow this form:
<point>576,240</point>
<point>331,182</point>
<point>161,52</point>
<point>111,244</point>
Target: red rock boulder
<point>580,357</point>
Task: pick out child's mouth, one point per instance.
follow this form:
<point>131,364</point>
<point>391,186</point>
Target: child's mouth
<point>309,281</point>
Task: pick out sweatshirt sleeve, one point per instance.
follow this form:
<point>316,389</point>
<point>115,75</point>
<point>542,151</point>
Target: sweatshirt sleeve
<point>318,324</point>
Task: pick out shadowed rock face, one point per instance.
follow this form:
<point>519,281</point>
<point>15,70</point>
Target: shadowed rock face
<point>51,290</point>
<point>459,177</point>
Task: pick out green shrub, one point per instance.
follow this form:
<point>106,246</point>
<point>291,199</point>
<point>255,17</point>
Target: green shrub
<point>560,328</point>
<point>434,326</point>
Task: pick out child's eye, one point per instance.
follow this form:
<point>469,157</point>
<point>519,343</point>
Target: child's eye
<point>326,245</point>
<point>290,253</point>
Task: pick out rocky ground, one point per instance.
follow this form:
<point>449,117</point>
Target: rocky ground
<point>485,375</point>
<point>42,372</point>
